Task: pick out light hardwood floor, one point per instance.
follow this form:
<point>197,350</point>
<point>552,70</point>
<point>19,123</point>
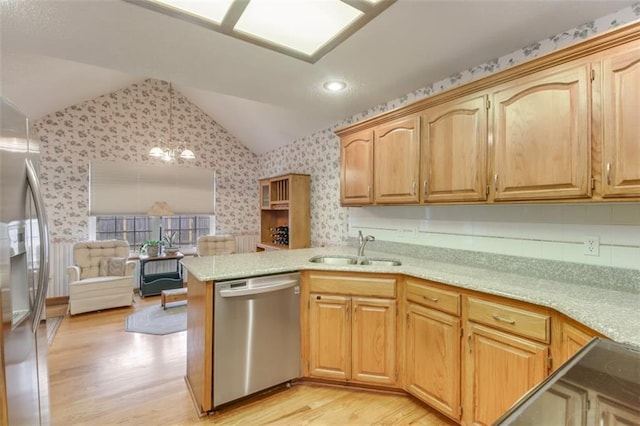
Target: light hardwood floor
<point>100,374</point>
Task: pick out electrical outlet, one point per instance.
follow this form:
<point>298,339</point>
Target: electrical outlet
<point>407,232</point>
<point>591,246</point>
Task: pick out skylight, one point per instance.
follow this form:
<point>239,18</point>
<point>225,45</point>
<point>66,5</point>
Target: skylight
<point>303,29</point>
<point>304,26</point>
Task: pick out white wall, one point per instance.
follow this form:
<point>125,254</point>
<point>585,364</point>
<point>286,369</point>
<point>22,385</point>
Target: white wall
<point>555,232</point>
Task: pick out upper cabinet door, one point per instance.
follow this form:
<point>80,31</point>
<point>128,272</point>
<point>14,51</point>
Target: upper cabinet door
<point>356,168</point>
<point>621,106</point>
<point>541,136</point>
<point>397,159</point>
<point>454,151</point>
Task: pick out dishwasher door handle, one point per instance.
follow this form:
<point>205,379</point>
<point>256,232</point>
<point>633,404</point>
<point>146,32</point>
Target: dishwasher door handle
<point>257,290</point>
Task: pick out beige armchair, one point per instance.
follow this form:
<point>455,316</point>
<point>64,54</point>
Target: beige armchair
<point>210,245</point>
<point>101,276</point>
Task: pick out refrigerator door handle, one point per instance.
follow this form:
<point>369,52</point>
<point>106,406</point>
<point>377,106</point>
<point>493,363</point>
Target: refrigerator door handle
<point>43,229</point>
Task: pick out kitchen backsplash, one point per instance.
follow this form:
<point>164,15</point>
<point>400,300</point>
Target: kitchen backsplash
<point>123,126</point>
<point>540,231</point>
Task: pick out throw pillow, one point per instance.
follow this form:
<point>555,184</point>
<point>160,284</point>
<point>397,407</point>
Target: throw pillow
<point>103,269</point>
<point>112,266</point>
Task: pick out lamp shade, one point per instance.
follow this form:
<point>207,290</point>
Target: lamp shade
<point>160,208</point>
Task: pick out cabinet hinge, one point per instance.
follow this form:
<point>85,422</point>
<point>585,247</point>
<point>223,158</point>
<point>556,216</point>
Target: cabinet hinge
<point>488,102</point>
<point>460,411</point>
<point>593,183</point>
<point>593,75</point>
<point>549,363</point>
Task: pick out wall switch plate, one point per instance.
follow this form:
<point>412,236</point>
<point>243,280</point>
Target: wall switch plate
<point>591,246</point>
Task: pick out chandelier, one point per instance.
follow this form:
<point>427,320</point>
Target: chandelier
<point>168,152</point>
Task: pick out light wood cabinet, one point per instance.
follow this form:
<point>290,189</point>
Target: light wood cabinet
<point>356,169</point>
<point>351,327</point>
<point>611,413</point>
<point>573,339</point>
<point>560,127</point>
<point>285,212</point>
<point>564,404</point>
<point>330,336</point>
<point>500,368</point>
<point>621,106</point>
<point>352,339</point>
<point>541,136</point>
<point>397,161</point>
<point>454,151</point>
<point>506,354</point>
<point>432,342</point>
<point>373,341</point>
<point>433,358</point>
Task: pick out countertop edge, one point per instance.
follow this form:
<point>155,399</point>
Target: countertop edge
<point>608,311</point>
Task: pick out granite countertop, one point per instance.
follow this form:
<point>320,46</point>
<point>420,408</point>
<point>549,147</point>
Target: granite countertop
<point>613,312</point>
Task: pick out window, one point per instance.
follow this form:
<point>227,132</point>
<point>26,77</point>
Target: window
<point>138,229</point>
<point>187,228</point>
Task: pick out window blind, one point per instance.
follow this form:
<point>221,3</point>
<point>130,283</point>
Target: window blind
<point>131,189</point>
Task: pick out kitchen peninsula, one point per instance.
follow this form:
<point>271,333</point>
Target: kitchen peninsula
<point>544,306</point>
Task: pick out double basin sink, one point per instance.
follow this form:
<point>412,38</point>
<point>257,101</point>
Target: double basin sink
<point>353,260</point>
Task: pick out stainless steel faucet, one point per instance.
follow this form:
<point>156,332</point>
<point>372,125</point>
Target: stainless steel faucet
<point>363,242</point>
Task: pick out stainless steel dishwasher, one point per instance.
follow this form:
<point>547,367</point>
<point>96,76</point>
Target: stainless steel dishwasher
<point>256,335</point>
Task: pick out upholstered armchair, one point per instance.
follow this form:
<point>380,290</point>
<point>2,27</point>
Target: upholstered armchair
<point>101,276</point>
<point>210,245</point>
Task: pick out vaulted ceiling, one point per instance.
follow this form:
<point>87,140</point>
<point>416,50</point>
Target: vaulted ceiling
<point>58,53</point>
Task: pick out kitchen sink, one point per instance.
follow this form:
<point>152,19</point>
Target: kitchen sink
<point>380,262</point>
<point>334,260</point>
<point>349,260</point>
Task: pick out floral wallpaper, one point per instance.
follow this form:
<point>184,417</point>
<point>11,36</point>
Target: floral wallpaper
<point>319,154</point>
<point>123,126</point>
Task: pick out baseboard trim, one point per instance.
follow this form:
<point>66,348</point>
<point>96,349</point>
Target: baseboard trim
<point>60,300</point>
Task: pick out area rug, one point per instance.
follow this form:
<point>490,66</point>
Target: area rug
<point>156,320</point>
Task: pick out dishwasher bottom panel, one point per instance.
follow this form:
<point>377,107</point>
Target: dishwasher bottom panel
<point>256,336</point>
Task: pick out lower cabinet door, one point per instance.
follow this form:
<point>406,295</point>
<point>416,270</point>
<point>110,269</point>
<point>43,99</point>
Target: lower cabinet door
<point>499,369</point>
<point>433,358</point>
<point>573,339</point>
<point>373,344</point>
<point>330,337</point>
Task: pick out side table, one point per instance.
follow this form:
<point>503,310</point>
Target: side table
<point>153,283</point>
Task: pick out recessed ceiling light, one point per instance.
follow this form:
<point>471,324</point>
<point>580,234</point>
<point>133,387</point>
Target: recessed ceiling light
<point>334,85</point>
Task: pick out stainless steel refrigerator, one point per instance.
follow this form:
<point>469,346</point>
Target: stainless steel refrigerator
<point>24,271</point>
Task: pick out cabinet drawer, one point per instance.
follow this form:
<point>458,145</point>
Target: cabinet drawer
<point>352,285</point>
<point>525,323</point>
<point>426,295</point>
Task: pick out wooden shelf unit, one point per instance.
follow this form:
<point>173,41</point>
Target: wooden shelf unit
<point>285,203</point>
